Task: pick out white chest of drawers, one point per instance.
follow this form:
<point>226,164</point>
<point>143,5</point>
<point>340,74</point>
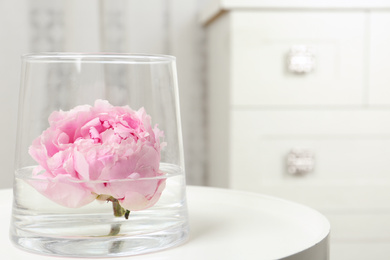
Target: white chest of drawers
<point>331,98</point>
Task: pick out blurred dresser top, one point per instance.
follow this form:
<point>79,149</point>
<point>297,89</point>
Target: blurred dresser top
<point>216,7</point>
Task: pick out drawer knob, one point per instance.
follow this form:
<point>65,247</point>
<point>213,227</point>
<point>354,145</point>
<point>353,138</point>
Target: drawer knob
<point>300,161</point>
<point>301,59</point>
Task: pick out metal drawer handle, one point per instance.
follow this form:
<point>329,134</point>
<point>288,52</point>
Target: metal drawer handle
<point>301,59</point>
<point>300,161</point>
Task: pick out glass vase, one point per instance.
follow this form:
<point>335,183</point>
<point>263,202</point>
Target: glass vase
<point>99,166</point>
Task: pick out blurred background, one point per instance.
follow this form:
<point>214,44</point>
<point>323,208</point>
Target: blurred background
<point>124,26</point>
<point>287,98</point>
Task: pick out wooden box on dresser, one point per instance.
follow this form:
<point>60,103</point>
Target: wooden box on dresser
<point>299,108</point>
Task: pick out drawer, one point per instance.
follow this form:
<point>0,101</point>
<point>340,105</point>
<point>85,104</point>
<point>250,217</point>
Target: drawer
<point>359,236</point>
<point>378,250</point>
<point>334,159</point>
<point>350,150</point>
<point>329,198</point>
<point>359,226</point>
<point>378,69</point>
<point>260,45</point>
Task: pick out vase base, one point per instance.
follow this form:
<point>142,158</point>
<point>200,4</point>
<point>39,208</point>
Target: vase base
<point>102,246</point>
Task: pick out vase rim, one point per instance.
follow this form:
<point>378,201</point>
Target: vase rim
<point>98,57</point>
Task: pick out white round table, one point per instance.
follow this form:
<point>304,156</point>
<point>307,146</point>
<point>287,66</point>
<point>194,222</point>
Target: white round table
<point>225,224</point>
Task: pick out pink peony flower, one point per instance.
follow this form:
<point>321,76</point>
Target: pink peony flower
<point>103,151</point>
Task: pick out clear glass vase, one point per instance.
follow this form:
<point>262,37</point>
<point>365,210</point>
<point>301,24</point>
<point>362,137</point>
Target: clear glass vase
<point>99,166</point>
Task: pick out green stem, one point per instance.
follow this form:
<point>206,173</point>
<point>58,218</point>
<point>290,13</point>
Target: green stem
<point>117,208</point>
<point>127,213</point>
<point>119,211</point>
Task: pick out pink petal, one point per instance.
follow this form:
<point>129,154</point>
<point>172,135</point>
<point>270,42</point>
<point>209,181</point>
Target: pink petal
<point>63,191</point>
<point>81,165</point>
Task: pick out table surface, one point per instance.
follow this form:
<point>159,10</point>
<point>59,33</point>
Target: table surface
<point>225,224</point>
